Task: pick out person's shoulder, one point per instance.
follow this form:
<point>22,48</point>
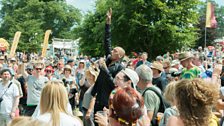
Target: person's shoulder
<point>149,92</point>
<point>13,84</point>
<point>174,121</point>
<point>44,78</point>
<point>171,111</point>
<point>44,117</point>
<point>75,121</point>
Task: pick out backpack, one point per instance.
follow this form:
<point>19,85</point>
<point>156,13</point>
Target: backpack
<point>163,104</point>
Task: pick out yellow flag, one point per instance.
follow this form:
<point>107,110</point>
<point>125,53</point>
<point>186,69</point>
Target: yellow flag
<point>210,16</point>
<point>45,46</point>
<point>14,44</point>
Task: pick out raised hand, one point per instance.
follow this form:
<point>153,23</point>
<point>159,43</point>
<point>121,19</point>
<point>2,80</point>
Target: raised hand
<point>109,15</point>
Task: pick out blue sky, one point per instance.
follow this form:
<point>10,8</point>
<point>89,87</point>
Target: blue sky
<point>85,5</point>
<point>220,2</point>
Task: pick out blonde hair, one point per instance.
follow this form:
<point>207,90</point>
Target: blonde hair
<point>195,99</point>
<point>169,92</point>
<point>54,100</point>
<point>26,121</point>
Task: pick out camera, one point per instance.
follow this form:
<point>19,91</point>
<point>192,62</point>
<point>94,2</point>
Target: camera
<point>1,99</point>
<point>175,74</point>
<point>66,82</point>
<point>73,91</point>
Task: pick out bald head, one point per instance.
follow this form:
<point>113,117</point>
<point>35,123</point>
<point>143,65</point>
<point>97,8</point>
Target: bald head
<point>117,53</point>
<point>121,52</point>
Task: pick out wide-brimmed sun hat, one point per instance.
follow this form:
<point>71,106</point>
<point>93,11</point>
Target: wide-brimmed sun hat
<point>185,55</point>
<point>157,65</point>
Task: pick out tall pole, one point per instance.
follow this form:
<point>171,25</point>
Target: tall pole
<point>205,23</point>
<point>205,37</point>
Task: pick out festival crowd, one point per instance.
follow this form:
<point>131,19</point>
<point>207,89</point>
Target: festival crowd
<point>180,89</point>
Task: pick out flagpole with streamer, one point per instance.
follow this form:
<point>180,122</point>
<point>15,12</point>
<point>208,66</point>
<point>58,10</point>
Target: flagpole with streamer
<point>206,18</point>
<point>210,18</point>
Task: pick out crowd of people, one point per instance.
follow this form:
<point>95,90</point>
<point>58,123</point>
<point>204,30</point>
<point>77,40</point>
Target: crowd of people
<point>179,89</point>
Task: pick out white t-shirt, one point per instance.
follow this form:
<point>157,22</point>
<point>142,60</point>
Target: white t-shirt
<point>65,120</point>
<point>37,111</point>
<point>8,98</point>
<point>34,88</point>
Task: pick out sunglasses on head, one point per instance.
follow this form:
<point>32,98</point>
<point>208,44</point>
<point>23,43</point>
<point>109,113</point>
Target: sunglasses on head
<point>38,68</point>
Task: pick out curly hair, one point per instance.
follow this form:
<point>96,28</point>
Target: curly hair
<point>195,99</point>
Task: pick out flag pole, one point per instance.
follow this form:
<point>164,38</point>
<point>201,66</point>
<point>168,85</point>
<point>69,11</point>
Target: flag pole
<point>205,37</point>
<point>205,24</point>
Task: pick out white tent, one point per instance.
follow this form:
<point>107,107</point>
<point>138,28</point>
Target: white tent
<point>65,44</point>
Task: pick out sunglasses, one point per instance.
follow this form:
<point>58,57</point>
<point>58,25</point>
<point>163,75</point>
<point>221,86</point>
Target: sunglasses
<point>29,69</point>
<point>48,71</point>
<point>38,68</point>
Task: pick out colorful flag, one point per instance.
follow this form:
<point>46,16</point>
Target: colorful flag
<point>210,16</point>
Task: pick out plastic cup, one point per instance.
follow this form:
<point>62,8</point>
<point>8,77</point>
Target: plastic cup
<point>102,113</point>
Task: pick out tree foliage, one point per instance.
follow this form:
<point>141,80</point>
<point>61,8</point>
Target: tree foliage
<point>154,26</point>
<point>34,17</point>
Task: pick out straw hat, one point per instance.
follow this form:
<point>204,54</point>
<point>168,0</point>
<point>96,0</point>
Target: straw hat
<point>68,67</point>
<point>185,56</point>
<point>94,71</point>
<point>157,65</point>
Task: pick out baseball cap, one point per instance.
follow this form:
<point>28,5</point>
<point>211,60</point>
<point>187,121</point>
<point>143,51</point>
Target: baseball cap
<point>70,61</point>
<point>29,67</point>
<point>175,62</point>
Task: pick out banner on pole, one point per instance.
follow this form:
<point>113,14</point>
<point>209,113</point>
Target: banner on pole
<point>210,16</point>
<point>45,46</point>
<point>14,44</point>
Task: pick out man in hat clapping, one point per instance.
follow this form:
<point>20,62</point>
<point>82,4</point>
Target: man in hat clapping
<point>190,71</point>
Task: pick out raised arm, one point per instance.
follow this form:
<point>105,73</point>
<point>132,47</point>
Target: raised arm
<point>107,39</point>
<point>22,70</point>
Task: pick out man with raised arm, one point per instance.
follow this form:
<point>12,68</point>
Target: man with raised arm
<point>108,70</point>
<point>35,84</point>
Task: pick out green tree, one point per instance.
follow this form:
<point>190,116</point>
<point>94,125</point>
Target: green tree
<point>155,26</point>
<point>34,17</point>
<point>219,12</point>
